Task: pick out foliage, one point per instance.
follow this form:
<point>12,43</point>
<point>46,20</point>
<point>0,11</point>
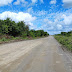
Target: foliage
<point>66,33</point>
<point>65,39</point>
<point>20,29</point>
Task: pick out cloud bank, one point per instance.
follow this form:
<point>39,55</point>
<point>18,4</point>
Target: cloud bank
<point>53,2</point>
<point>67,3</point>
<point>28,18</point>
<point>60,22</point>
<point>20,2</point>
<point>41,1</point>
<point>34,1</point>
<point>5,2</point>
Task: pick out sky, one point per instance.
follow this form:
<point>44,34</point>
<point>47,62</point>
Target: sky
<point>53,16</point>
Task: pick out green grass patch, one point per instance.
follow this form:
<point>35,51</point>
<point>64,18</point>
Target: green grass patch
<point>4,40</point>
<point>7,38</point>
<point>65,41</point>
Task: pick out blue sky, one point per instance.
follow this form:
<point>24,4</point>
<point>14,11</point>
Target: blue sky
<point>52,16</point>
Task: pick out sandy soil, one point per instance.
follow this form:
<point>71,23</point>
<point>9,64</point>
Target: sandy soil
<point>12,51</point>
<point>40,55</point>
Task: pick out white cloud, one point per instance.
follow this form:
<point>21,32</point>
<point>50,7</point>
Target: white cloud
<point>59,26</point>
<point>57,22</point>
<point>17,2</point>
<point>53,23</point>
<point>40,13</point>
<point>67,19</point>
<point>30,10</point>
<point>67,0</point>
<point>26,3</point>
<point>18,16</point>
<point>5,2</point>
<point>29,23</point>
<point>36,13</point>
<point>34,1</point>
<point>20,1</point>
<point>67,3</point>
<point>47,21</point>
<point>53,2</point>
<point>41,1</point>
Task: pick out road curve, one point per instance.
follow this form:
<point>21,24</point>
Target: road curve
<point>40,55</point>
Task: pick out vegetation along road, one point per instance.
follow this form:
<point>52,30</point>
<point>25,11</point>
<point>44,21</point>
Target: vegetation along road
<point>39,55</point>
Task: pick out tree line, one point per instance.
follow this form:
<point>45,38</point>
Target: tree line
<point>12,28</point>
<point>65,38</point>
<point>66,33</point>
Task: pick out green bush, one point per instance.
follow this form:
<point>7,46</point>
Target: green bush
<point>9,30</point>
<point>66,41</point>
<point>4,39</point>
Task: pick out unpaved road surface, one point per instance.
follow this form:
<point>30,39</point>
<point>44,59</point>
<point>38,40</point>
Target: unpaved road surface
<point>40,55</point>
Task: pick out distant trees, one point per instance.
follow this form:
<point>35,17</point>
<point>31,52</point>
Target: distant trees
<point>9,27</point>
<point>66,33</point>
<point>63,33</point>
<point>38,33</point>
<point>65,38</point>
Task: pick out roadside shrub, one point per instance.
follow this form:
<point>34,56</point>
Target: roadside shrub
<point>65,41</point>
<point>3,39</point>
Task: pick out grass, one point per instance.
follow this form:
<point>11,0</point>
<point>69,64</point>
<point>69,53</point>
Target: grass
<point>65,41</point>
<point>4,39</point>
<point>7,38</point>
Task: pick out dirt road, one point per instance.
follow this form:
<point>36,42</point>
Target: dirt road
<point>40,55</point>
